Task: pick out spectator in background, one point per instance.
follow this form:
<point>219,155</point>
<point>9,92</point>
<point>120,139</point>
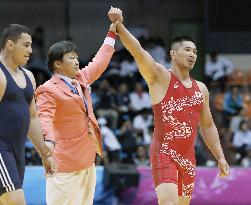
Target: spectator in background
<point>233,103</point>
<point>37,64</point>
<point>217,69</point>
<point>166,62</point>
<point>123,101</point>
<point>141,123</point>
<point>41,75</point>
<point>242,141</point>
<point>141,158</point>
<point>38,45</point>
<point>200,151</point>
<point>236,120</point>
<point>107,104</point>
<point>157,50</point>
<point>110,141</point>
<point>127,137</point>
<point>38,57</point>
<point>128,66</point>
<point>95,95</point>
<point>139,98</point>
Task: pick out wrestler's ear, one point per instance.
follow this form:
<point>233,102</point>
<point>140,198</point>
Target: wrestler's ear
<point>9,44</point>
<point>172,54</point>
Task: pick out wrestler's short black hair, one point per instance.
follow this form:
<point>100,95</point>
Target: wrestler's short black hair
<point>13,32</point>
<point>57,51</point>
<point>180,39</point>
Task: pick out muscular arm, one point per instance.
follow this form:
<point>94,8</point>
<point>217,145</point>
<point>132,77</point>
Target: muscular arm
<point>147,66</point>
<point>35,132</point>
<point>208,128</point>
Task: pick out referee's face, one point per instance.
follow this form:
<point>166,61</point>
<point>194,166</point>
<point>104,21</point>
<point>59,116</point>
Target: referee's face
<point>70,64</point>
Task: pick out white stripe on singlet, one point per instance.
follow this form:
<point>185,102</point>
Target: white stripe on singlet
<point>5,177</point>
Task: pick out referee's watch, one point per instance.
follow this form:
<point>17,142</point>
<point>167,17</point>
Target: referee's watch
<point>51,141</point>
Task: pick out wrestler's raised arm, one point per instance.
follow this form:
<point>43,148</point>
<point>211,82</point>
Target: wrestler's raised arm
<point>147,66</point>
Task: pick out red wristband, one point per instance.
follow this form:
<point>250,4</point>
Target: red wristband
<point>112,34</point>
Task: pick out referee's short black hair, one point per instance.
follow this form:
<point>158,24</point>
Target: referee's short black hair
<point>56,52</point>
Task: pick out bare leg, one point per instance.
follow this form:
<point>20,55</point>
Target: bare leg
<point>167,194</point>
<point>13,198</point>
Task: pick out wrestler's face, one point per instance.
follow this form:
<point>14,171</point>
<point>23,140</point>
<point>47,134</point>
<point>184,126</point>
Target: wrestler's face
<point>185,55</point>
<point>21,50</point>
<point>69,66</point>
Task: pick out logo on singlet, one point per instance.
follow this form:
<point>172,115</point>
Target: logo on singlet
<point>176,85</point>
<point>198,95</point>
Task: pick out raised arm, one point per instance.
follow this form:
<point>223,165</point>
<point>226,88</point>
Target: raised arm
<point>100,62</point>
<point>210,133</point>
<point>147,66</point>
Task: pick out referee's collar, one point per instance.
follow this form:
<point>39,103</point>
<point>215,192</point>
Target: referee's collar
<point>67,79</point>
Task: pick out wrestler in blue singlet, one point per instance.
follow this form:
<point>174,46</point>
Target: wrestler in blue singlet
<point>14,126</point>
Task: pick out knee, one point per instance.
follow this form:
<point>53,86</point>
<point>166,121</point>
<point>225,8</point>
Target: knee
<point>13,198</point>
<point>168,203</point>
<point>17,201</point>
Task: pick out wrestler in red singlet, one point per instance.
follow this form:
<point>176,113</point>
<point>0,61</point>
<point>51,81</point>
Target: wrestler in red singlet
<point>177,116</point>
<point>176,120</point>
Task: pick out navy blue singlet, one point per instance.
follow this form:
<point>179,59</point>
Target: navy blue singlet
<point>14,126</point>
<point>14,113</point>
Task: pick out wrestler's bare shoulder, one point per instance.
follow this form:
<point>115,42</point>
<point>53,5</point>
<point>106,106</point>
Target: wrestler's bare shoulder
<point>159,88</point>
<point>31,76</point>
<point>29,73</point>
<point>163,75</point>
<point>203,90</point>
<point>202,87</point>
<point>2,83</point>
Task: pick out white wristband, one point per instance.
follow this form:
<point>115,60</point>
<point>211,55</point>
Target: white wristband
<point>109,41</point>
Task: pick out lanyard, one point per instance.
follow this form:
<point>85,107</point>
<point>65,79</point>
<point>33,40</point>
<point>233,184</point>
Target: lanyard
<point>73,88</point>
<point>75,91</point>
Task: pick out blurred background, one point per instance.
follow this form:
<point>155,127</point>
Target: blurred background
<point>222,31</point>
